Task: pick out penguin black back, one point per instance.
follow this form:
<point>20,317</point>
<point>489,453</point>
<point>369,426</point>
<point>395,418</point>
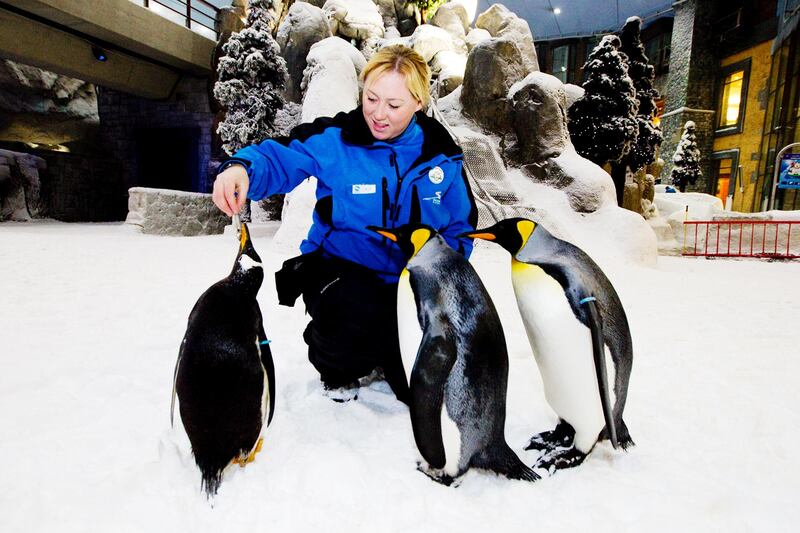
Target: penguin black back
<point>224,378</point>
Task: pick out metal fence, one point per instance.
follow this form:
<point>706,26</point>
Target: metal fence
<point>774,239</point>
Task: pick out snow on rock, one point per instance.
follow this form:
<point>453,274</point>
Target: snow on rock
<point>331,86</point>
<point>450,67</point>
<point>590,187</point>
<point>573,92</point>
<point>428,40</point>
<point>355,19</point>
<point>330,81</point>
<point>470,7</point>
<point>502,23</point>
<point>335,45</point>
<point>539,117</point>
<point>608,234</point>
<point>453,18</point>
<point>475,37</point>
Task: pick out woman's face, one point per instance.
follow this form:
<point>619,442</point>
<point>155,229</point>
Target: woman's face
<point>388,105</point>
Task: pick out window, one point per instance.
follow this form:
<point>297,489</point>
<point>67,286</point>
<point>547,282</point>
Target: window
<point>560,62</point>
<point>732,97</point>
<point>657,51</point>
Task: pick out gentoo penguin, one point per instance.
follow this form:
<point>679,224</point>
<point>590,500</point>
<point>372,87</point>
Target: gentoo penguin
<point>574,320</point>
<point>454,355</point>
<point>224,377</point>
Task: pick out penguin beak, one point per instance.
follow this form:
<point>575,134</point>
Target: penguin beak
<point>244,236</point>
<point>386,233</point>
<point>479,234</point>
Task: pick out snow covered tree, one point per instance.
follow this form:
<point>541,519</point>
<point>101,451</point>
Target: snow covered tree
<point>686,161</point>
<point>252,76</point>
<point>643,150</point>
<point>602,123</point>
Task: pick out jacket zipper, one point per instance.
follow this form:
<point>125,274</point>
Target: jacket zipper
<point>386,205</point>
<point>396,208</point>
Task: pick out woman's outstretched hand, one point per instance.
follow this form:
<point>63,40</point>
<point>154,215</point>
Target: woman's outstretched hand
<point>230,189</point>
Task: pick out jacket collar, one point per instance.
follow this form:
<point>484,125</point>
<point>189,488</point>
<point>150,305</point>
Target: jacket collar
<point>436,139</point>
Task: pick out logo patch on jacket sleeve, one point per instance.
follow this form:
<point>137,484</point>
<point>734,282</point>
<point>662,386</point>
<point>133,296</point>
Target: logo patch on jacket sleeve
<point>436,175</point>
<point>364,188</point>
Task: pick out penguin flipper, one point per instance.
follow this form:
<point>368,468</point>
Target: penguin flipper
<point>599,352</point>
<point>435,360</point>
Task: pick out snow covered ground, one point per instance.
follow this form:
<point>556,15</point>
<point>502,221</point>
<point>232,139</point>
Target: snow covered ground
<point>91,317</point>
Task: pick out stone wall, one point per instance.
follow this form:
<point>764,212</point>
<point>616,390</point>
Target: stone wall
<point>82,188</point>
<point>690,86</point>
<point>123,115</point>
<point>165,212</point>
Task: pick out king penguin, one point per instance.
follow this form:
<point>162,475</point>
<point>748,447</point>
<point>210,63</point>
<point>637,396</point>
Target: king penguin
<point>454,355</point>
<point>224,377</point>
<point>574,321</point>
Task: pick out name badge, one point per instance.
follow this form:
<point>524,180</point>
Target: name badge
<point>364,188</point>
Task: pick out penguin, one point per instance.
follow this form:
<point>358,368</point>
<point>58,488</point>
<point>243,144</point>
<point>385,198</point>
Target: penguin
<point>454,356</point>
<point>574,321</point>
<point>224,377</point>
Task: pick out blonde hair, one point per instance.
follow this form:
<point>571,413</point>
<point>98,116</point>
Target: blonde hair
<point>402,59</point>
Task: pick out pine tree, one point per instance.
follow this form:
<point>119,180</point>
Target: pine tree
<point>602,123</point>
<point>643,151</point>
<point>686,161</point>
<point>252,76</point>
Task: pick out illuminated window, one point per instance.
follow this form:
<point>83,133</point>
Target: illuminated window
<point>732,96</point>
<point>731,99</point>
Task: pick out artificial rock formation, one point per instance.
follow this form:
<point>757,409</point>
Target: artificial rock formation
<point>20,186</point>
<point>543,148</point>
<point>504,24</point>
<point>303,26</point>
<point>354,19</point>
<point>493,66</point>
<point>539,117</point>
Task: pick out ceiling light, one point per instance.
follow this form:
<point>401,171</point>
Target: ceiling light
<point>556,11</point>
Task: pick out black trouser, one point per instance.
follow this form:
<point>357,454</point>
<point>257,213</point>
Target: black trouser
<point>353,327</point>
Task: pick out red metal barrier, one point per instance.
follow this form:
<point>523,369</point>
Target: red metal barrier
<point>742,238</point>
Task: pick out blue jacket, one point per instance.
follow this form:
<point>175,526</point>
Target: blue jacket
<point>417,176</point>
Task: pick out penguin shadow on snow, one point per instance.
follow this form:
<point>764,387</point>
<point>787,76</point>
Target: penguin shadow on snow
<point>577,329</point>
<point>455,359</point>
<point>224,377</point>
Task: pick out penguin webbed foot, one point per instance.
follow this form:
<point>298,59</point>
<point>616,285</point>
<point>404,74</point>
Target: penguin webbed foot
<point>560,459</point>
<point>439,476</point>
<point>562,436</point>
<point>244,460</point>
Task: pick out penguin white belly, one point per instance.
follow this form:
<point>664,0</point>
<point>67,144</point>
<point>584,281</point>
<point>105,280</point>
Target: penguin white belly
<point>264,393</point>
<point>408,328</point>
<point>562,346</point>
